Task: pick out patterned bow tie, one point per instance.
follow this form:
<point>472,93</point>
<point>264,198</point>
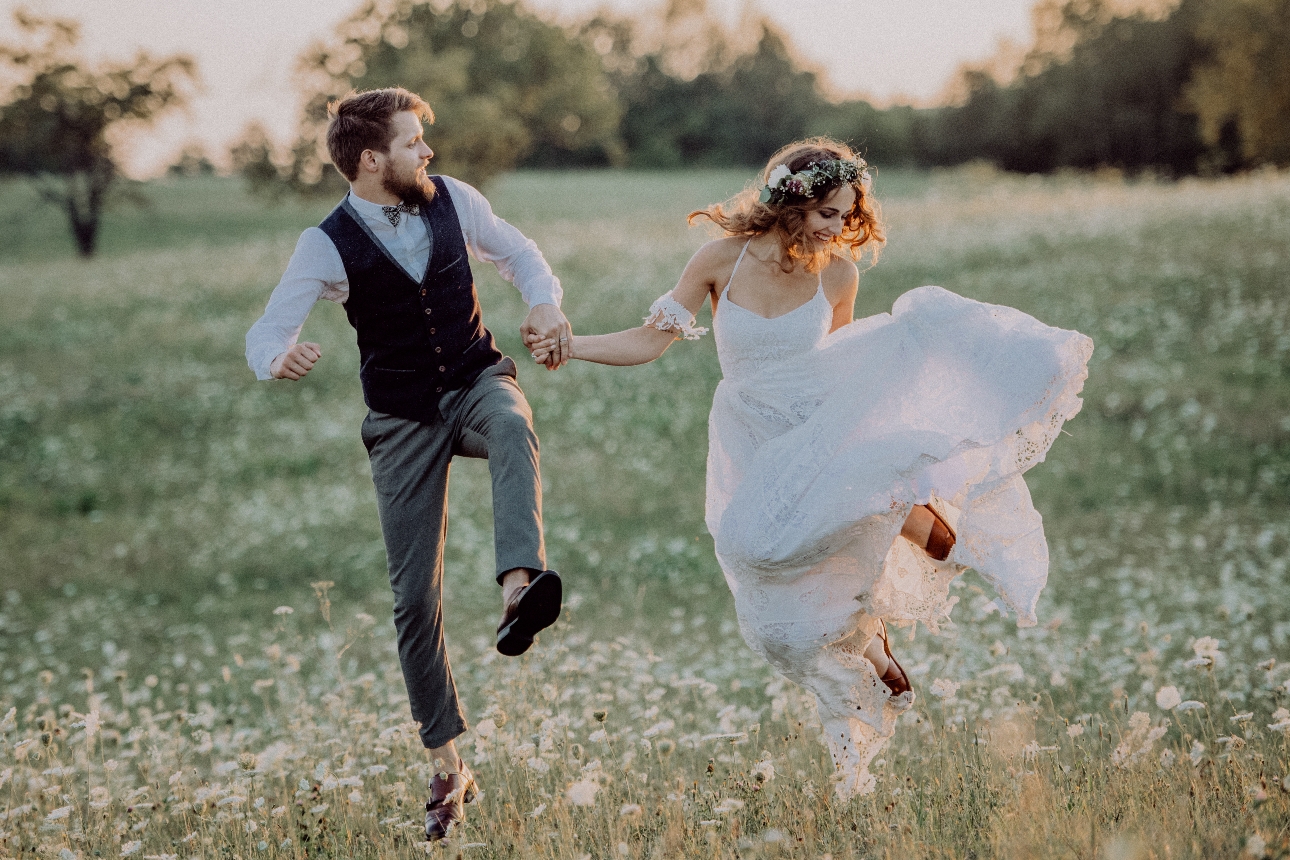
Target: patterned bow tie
<point>395,213</point>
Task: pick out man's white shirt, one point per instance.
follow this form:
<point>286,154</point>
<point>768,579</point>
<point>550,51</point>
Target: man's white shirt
<point>316,271</point>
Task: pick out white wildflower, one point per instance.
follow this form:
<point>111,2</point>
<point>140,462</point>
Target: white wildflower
<point>1168,698</point>
<point>582,792</point>
<point>629,810</point>
<point>1197,752</point>
<point>1190,705</point>
<point>538,810</point>
<point>486,729</point>
<point>10,721</point>
<point>1255,846</point>
<point>1167,758</point>
<point>944,688</point>
<point>131,848</point>
<point>59,813</point>
<point>730,804</point>
<point>597,736</point>
<point>773,835</point>
<point>283,610</point>
<point>538,765</point>
<point>319,809</point>
<point>278,811</point>
<point>763,771</point>
<point>1138,742</point>
<point>355,797</point>
<point>658,729</point>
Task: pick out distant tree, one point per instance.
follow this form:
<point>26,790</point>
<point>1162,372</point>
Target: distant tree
<point>1243,90</point>
<point>192,161</point>
<point>697,93</point>
<point>505,85</point>
<point>55,121</point>
<point>1098,89</point>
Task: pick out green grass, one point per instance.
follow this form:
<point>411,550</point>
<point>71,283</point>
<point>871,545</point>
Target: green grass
<point>157,503</point>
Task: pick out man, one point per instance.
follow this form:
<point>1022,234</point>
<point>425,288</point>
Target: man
<point>394,253</point>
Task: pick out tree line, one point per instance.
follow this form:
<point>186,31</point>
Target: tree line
<point>1201,87</point>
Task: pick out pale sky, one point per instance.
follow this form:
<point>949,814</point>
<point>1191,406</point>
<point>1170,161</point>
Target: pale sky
<point>886,50</point>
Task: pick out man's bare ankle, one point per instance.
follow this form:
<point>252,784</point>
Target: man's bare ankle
<point>513,581</point>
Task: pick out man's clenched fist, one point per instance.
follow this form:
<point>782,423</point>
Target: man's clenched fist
<point>296,362</point>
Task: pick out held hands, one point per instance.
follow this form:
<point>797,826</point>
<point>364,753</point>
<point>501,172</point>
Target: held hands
<point>296,362</point>
<point>548,336</point>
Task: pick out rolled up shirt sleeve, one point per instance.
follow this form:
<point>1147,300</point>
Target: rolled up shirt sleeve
<point>315,272</point>
<point>492,240</point>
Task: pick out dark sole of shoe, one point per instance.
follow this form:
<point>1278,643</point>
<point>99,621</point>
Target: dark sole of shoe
<point>539,609</point>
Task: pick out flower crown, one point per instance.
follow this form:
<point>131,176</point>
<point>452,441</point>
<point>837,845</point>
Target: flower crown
<point>783,182</point>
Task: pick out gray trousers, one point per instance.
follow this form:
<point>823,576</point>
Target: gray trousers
<point>410,463</point>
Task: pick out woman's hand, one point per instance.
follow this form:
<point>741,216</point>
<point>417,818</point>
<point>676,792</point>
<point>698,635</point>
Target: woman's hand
<point>543,348</point>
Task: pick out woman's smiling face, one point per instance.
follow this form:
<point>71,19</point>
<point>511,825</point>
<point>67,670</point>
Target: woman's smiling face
<point>824,222</point>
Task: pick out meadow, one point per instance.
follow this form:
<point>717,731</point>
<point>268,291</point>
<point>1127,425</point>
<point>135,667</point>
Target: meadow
<point>196,651</point>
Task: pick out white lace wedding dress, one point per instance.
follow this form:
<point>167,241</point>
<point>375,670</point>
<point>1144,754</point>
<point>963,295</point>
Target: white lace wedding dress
<point>819,445</point>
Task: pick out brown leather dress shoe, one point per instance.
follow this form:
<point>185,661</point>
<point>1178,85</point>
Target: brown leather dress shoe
<point>532,607</point>
<point>895,678</point>
<point>445,809</point>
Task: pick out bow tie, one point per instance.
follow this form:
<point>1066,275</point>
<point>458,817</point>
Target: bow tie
<point>395,213</point>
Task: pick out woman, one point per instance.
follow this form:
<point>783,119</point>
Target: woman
<point>855,468</point>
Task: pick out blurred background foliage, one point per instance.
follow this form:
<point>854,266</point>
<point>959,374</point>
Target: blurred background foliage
<point>1193,87</point>
<point>1189,87</point>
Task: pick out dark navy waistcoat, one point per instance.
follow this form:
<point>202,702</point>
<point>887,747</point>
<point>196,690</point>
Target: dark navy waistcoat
<point>415,340</point>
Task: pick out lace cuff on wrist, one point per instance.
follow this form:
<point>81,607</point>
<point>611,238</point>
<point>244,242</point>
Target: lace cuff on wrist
<point>667,314</point>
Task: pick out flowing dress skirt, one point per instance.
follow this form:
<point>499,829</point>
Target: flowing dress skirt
<point>816,460</point>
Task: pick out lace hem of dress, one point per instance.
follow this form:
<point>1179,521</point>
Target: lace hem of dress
<point>667,314</point>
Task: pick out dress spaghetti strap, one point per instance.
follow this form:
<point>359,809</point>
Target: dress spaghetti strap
<point>736,268</point>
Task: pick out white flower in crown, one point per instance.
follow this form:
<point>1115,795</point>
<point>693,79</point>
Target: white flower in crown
<point>778,175</point>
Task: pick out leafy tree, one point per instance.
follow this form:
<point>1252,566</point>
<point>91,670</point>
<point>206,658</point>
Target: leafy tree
<point>192,161</point>
<point>1098,89</point>
<point>55,123</point>
<point>505,85</point>
<point>1244,87</point>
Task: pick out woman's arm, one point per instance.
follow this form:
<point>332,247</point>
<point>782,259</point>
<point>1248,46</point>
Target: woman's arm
<point>645,343</point>
<point>841,284</point>
<point>639,345</point>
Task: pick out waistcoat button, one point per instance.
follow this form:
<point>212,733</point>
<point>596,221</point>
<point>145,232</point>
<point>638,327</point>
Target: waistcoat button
<point>423,291</point>
<point>437,349</point>
<point>427,312</point>
<point>442,368</point>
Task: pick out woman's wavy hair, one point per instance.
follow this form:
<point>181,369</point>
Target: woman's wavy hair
<point>745,214</point>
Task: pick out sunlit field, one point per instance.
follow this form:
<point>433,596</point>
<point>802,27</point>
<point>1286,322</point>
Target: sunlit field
<point>197,654</point>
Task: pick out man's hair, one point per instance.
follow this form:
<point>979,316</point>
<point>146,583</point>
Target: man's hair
<point>362,120</point>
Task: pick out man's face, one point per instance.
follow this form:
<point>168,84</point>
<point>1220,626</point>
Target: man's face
<point>403,167</point>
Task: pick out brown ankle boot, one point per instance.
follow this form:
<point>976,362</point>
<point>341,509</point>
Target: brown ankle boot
<point>447,796</point>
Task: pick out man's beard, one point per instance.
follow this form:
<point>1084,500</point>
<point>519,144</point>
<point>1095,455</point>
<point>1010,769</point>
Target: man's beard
<point>416,188</point>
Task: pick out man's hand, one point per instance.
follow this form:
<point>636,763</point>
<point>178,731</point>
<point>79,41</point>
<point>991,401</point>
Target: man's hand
<point>546,322</point>
<point>296,362</point>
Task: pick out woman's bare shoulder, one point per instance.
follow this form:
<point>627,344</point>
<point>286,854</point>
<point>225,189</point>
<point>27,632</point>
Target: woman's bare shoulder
<point>841,276</point>
<point>716,258</point>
